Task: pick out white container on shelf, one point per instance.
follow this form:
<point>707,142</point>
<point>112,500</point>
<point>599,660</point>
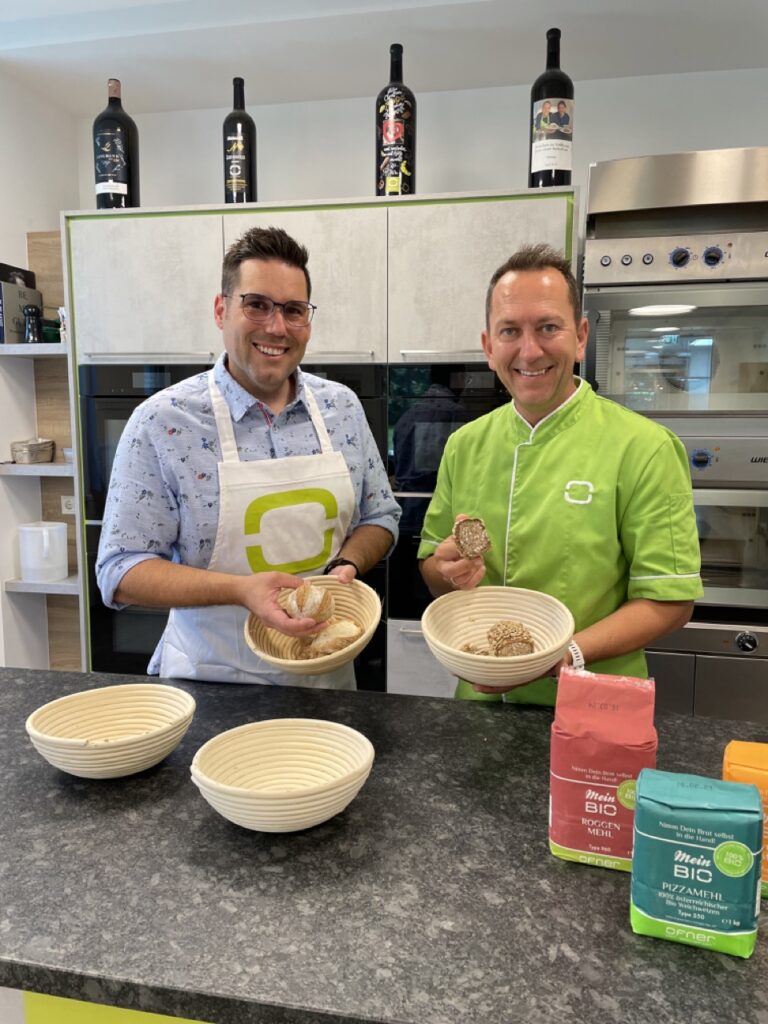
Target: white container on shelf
<point>43,552</point>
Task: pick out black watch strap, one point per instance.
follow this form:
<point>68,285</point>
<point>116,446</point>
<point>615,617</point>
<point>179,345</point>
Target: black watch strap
<point>340,561</point>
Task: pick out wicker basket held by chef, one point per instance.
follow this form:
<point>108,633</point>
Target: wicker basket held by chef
<point>581,498</point>
<point>230,486</point>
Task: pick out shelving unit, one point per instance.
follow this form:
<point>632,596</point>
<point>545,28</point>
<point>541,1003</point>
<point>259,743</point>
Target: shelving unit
<point>41,624</point>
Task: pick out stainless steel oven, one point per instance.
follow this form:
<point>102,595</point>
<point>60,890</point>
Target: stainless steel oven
<point>675,274</point>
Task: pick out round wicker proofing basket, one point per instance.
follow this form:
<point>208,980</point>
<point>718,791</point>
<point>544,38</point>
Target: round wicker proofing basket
<point>282,774</point>
<point>463,617</point>
<point>113,730</point>
<point>356,601</point>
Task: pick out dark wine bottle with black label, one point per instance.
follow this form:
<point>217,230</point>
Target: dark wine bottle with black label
<point>239,141</point>
<point>395,133</point>
<point>551,130</point>
<point>115,154</point>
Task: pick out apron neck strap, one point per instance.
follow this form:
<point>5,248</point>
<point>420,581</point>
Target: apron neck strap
<point>226,429</point>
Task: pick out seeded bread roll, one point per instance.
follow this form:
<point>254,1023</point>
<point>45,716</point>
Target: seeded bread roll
<point>308,602</point>
<point>338,634</point>
<point>471,537</point>
<point>509,638</point>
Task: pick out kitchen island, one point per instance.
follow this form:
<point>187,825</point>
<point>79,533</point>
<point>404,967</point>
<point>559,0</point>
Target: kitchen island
<point>432,899</point>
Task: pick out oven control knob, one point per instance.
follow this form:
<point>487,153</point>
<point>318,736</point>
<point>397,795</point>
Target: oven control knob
<point>701,458</point>
<point>605,261</point>
<point>680,257</point>
<point>713,255</point>
<point>746,642</point>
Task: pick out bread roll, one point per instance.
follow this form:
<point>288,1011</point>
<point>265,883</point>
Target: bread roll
<point>508,638</point>
<point>471,537</point>
<point>310,602</point>
<point>338,634</point>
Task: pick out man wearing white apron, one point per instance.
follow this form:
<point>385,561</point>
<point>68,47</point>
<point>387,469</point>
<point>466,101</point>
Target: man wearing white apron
<point>229,486</point>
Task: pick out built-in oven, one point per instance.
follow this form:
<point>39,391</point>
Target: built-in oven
<point>124,641</point>
<point>427,403</point>
<point>675,274</point>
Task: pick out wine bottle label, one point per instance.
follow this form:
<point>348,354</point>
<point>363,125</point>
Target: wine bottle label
<point>111,161</point>
<point>395,143</point>
<point>235,164</point>
<point>552,135</point>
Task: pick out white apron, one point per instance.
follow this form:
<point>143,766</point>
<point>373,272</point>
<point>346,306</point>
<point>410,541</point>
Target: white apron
<point>288,515</point>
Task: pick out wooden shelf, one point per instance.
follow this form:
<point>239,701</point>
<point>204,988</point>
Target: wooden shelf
<point>37,469</point>
<point>37,351</point>
<point>70,585</point>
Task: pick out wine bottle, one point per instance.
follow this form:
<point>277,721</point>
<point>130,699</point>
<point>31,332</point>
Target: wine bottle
<point>239,142</point>
<point>395,132</point>
<point>551,133</point>
<point>115,154</point>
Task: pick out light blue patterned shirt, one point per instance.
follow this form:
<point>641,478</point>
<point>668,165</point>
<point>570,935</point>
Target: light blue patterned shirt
<point>163,498</point>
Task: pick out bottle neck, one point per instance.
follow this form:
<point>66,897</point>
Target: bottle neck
<point>239,87</point>
<point>113,90</point>
<point>396,68</point>
<point>553,51</point>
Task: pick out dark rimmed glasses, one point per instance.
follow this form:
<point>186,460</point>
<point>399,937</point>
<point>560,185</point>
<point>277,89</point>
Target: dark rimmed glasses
<point>259,309</point>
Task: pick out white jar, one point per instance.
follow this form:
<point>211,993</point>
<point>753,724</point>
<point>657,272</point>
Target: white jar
<point>43,552</point>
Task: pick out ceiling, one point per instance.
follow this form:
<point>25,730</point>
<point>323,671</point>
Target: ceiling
<point>182,54</point>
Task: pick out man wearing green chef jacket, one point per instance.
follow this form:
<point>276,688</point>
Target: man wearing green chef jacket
<point>582,498</point>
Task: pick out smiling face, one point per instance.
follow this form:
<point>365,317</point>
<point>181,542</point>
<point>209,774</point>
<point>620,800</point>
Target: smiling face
<point>262,356</point>
<point>533,340</point>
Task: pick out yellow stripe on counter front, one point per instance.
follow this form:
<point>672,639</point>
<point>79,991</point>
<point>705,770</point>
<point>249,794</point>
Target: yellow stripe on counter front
<point>40,1009</point>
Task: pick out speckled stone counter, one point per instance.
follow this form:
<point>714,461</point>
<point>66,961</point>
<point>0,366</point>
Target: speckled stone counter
<point>431,899</point>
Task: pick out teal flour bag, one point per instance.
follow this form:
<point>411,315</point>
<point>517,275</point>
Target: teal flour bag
<point>696,861</point>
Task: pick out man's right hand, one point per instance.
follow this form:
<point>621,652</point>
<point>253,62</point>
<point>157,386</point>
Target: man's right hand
<point>259,594</point>
<point>461,573</point>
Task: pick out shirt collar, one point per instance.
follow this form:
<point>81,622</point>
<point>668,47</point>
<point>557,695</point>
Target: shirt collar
<point>559,419</point>
<point>239,401</point>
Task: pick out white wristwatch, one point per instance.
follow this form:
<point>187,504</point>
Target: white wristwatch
<point>577,658</point>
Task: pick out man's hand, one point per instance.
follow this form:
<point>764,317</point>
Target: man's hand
<point>344,573</point>
<point>461,573</point>
<point>259,594</point>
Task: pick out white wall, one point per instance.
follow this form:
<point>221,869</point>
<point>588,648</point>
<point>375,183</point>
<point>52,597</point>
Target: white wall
<point>467,141</point>
<point>38,167</point>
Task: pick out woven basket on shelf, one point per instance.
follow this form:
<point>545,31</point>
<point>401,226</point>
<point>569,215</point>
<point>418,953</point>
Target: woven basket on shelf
<point>35,449</point>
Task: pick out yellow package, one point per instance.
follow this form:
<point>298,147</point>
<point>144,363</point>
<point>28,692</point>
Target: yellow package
<point>748,762</point>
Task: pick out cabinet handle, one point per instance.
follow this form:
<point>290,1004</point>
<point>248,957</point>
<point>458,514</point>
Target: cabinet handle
<point>314,354</point>
<point>412,494</point>
<point>478,355</point>
<point>150,357</point>
<point>410,632</point>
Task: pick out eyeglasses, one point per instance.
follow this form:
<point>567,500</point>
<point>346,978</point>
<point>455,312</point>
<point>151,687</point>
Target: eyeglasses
<point>259,309</point>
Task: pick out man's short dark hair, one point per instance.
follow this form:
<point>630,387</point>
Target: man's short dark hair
<point>263,244</point>
<point>536,257</point>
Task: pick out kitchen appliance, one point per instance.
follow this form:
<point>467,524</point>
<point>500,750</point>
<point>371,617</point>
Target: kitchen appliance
<point>427,402</point>
<point>675,280</point>
<point>43,552</point>
<point>109,393</point>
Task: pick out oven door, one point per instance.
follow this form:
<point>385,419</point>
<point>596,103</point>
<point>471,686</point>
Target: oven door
<point>121,641</point>
<point>733,534</point>
<point>103,421</point>
<point>673,350</point>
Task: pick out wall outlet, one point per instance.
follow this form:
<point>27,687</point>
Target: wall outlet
<point>67,504</point>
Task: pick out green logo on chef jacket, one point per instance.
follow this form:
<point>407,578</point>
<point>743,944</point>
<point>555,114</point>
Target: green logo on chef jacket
<point>287,499</point>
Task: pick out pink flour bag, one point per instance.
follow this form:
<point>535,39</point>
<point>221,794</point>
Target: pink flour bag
<point>602,736</point>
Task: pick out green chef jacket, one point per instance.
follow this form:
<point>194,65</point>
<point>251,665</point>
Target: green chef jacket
<point>593,505</point>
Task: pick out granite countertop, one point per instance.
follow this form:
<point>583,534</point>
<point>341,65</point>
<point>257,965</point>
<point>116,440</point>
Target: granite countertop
<point>431,899</point>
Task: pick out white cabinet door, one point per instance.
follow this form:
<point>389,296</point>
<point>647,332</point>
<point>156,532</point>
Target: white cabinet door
<point>411,666</point>
<point>441,257</point>
<point>348,269</point>
<point>143,286</point>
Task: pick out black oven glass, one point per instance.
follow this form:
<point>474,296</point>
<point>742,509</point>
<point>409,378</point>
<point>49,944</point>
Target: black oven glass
<point>427,403</point>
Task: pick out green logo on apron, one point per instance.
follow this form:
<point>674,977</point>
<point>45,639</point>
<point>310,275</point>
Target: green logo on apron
<point>286,499</point>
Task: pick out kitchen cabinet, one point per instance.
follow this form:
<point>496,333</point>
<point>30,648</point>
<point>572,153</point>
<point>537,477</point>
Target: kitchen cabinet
<point>441,257</point>
<point>674,676</point>
<point>411,666</point>
<point>142,285</point>
<point>731,688</point>
<point>348,268</point>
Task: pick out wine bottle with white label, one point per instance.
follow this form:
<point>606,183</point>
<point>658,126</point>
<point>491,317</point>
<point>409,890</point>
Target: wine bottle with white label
<point>395,132</point>
<point>551,130</point>
<point>115,154</point>
<point>239,141</point>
